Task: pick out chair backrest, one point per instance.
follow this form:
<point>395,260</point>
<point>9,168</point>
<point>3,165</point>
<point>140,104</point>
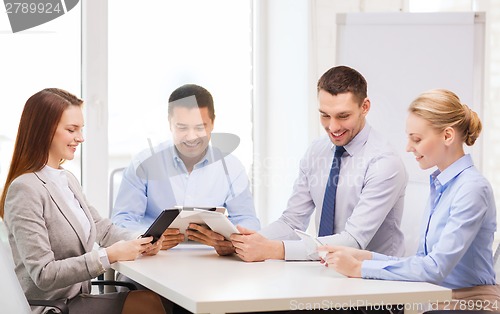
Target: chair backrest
<point>496,263</point>
<point>115,179</point>
<point>12,298</point>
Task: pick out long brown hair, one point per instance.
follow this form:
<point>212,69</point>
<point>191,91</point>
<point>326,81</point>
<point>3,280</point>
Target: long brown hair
<point>41,115</point>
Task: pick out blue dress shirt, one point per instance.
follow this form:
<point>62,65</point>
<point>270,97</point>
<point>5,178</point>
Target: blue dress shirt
<point>369,201</point>
<point>455,250</point>
<point>158,179</point>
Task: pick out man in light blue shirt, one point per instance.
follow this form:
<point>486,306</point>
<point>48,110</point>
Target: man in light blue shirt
<point>187,172</point>
<point>371,183</point>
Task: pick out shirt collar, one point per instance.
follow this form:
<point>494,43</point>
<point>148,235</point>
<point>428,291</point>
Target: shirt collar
<point>441,179</point>
<point>178,163</point>
<point>55,175</point>
<point>357,143</point>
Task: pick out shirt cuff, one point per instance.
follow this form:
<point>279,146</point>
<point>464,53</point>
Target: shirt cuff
<point>373,268</point>
<point>370,269</point>
<point>379,257</point>
<point>103,258</point>
<point>296,250</point>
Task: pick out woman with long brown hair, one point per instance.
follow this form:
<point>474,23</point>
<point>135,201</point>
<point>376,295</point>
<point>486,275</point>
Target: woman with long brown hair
<point>52,227</point>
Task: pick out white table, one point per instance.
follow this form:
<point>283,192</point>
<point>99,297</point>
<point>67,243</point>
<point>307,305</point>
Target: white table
<point>203,282</point>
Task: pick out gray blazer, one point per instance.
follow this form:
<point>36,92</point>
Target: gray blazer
<point>53,259</point>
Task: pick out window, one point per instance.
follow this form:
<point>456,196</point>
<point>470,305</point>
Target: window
<point>48,55</point>
<point>440,6</point>
<point>177,42</point>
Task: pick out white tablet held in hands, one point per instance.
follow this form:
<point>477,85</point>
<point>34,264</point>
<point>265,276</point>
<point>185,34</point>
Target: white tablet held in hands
<point>311,241</point>
<point>189,215</point>
<point>219,223</point>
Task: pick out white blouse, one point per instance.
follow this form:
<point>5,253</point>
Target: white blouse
<point>60,179</point>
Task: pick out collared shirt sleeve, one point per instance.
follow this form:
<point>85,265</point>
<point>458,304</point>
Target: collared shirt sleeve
<point>381,257</point>
<point>297,215</point>
<point>131,201</point>
<point>298,250</point>
<point>240,205</point>
<point>383,187</point>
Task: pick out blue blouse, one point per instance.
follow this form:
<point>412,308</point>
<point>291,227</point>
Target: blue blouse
<point>455,250</point>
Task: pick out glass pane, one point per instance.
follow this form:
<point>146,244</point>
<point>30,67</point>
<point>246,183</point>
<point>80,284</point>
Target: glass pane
<point>48,55</point>
<point>175,43</point>
<point>440,5</point>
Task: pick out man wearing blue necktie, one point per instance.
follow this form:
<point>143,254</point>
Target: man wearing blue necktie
<point>351,178</point>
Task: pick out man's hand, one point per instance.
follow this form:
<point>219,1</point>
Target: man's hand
<point>171,237</point>
<point>202,234</point>
<point>253,247</point>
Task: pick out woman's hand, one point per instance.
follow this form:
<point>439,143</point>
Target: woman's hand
<point>345,260</point>
<point>130,250</point>
<point>155,248</point>
<point>344,263</point>
<point>358,254</point>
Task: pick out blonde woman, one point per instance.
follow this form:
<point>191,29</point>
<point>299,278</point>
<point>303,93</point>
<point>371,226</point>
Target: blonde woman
<point>455,249</point>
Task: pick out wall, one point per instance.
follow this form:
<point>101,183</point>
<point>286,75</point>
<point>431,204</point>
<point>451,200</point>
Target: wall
<point>281,101</point>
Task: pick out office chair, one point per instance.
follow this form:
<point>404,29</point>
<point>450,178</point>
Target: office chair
<point>114,183</point>
<point>496,265</point>
<point>115,178</point>
<point>496,262</point>
<point>12,298</point>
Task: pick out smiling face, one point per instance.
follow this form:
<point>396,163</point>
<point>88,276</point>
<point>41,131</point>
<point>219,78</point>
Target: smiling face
<point>67,136</point>
<point>341,116</point>
<point>191,129</point>
<point>427,144</point>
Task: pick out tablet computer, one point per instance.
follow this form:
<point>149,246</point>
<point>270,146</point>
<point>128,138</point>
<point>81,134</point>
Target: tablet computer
<point>161,223</point>
<point>219,223</point>
<point>189,215</point>
<point>311,241</point>
<point>219,209</point>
